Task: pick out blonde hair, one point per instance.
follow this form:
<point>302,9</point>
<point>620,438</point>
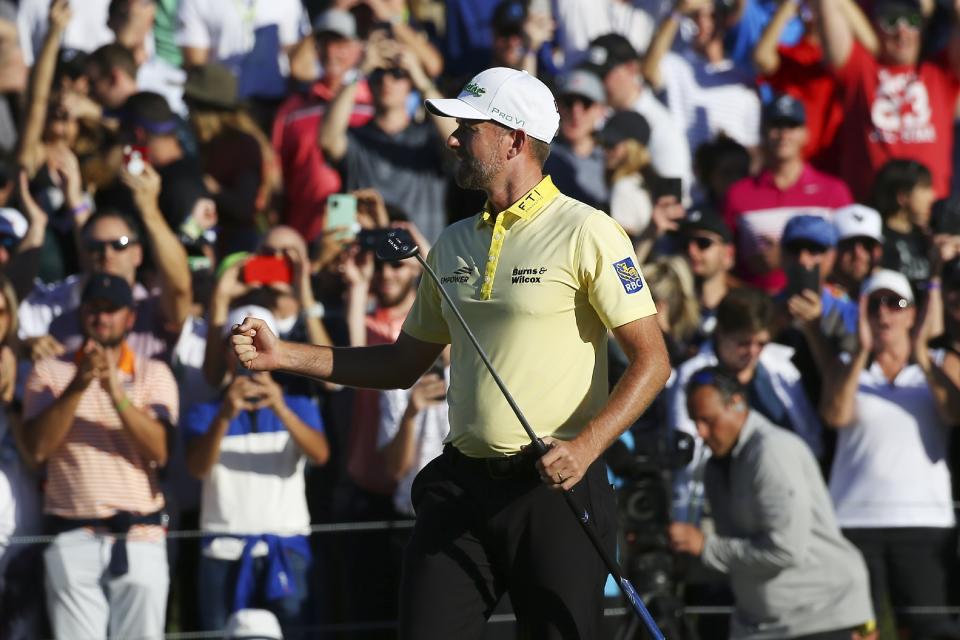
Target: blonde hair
<point>670,280</point>
<point>637,160</point>
<point>10,295</point>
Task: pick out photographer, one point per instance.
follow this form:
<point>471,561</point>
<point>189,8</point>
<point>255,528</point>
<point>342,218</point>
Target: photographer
<point>793,573</point>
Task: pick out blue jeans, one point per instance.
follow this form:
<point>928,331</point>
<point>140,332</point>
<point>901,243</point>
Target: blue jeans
<point>217,584</point>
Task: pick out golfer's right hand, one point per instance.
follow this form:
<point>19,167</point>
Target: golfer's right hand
<point>255,345</point>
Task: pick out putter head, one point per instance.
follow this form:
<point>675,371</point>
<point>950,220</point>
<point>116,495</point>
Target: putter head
<point>397,245</point>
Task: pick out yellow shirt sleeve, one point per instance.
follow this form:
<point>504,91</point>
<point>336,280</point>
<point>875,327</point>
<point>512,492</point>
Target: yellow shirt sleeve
<point>610,274</point>
<point>425,320</point>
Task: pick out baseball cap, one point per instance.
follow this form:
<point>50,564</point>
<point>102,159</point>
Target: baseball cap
<point>624,125</point>
<point>858,221</point>
<point>580,82</point>
<point>784,109</point>
<point>212,85</point>
<point>705,218</point>
<point>509,16</point>
<point>109,288</point>
<point>811,229</point>
<point>513,98</point>
<point>887,280</point>
<point>149,111</point>
<point>945,217</point>
<point>238,314</point>
<point>252,624</point>
<point>12,223</point>
<point>894,8</point>
<point>607,51</point>
<point>336,21</point>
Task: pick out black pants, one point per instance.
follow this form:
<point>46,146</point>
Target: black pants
<point>838,634</point>
<point>481,533</point>
<point>909,566</point>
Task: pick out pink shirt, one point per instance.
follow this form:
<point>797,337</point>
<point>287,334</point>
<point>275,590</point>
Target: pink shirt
<point>757,211</point>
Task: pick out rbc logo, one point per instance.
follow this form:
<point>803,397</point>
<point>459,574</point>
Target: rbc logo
<point>629,275</point>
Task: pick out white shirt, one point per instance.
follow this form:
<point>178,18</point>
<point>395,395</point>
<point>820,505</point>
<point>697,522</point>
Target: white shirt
<point>580,21</point>
<point>249,36</point>
<point>711,98</point>
<point>630,204</point>
<point>86,30</point>
<point>891,464</point>
<point>431,426</point>
<point>668,148</point>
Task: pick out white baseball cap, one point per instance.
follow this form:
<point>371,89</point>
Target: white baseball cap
<point>238,314</point>
<point>513,98</point>
<point>258,624</point>
<point>887,280</point>
<point>858,221</point>
<point>12,223</point>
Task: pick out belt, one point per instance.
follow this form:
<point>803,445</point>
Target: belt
<point>515,466</point>
<point>119,523</point>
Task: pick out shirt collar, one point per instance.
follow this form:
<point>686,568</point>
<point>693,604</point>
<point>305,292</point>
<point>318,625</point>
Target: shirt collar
<point>745,433</point>
<point>126,363</point>
<point>765,178</point>
<point>527,207</point>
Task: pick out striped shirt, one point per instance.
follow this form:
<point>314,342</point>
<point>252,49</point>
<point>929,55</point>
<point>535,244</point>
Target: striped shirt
<point>97,470</point>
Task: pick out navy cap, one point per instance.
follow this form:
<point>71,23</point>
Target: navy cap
<point>509,16</point>
<point>109,288</point>
<point>809,228</point>
<point>894,8</point>
<point>705,218</point>
<point>624,125</point>
<point>784,109</point>
<point>607,51</point>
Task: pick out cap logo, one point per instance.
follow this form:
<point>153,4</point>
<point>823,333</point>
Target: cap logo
<point>506,117</point>
<point>597,55</point>
<point>858,217</point>
<point>784,102</point>
<point>474,89</point>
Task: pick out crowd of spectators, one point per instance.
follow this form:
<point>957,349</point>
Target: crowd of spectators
<point>786,170</point>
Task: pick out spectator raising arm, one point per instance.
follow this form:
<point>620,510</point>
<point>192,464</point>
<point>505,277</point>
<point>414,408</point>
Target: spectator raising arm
<point>842,379</point>
<point>203,451</point>
<point>663,40</point>
<point>400,453</point>
<point>169,256</point>
<point>835,32</point>
<point>312,442</point>
<point>422,83</point>
<point>30,149</point>
<point>766,57</point>
<point>25,264</point>
<point>416,42</point>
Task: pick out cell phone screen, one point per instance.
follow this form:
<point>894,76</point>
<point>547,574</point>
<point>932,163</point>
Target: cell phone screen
<point>666,187</point>
<point>800,279</point>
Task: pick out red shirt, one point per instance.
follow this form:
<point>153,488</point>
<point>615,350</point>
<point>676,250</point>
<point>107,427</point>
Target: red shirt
<point>365,463</point>
<point>895,111</point>
<point>307,177</point>
<point>757,212</point>
<point>803,74</point>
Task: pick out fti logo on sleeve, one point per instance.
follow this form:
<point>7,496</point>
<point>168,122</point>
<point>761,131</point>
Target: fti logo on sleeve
<point>629,275</point>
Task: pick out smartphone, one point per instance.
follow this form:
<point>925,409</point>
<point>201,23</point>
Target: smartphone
<point>135,158</point>
<point>370,239</point>
<point>267,270</point>
<point>666,187</point>
<point>341,213</point>
<point>800,279</point>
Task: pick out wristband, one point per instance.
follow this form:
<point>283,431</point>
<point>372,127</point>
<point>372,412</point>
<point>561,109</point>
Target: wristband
<point>316,310</point>
<point>933,286</point>
<point>123,404</point>
<point>80,209</point>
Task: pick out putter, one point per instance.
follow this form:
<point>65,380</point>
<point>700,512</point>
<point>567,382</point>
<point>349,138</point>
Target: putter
<point>399,245</point>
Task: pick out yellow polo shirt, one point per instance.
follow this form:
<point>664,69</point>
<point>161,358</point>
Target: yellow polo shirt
<point>539,284</point>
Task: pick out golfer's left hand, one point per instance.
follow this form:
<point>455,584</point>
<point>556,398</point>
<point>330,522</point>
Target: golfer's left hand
<point>564,464</point>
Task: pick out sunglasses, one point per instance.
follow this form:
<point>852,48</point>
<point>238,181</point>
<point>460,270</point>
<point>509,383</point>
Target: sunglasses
<point>850,243</point>
<point>703,243</point>
<point>569,101</point>
<point>120,244</point>
<point>891,23</point>
<point>812,248</point>
<point>890,303</point>
<point>9,242</point>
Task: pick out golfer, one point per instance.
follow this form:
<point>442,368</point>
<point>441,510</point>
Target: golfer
<point>541,279</point>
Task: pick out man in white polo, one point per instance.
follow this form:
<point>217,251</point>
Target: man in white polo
<point>540,278</point>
